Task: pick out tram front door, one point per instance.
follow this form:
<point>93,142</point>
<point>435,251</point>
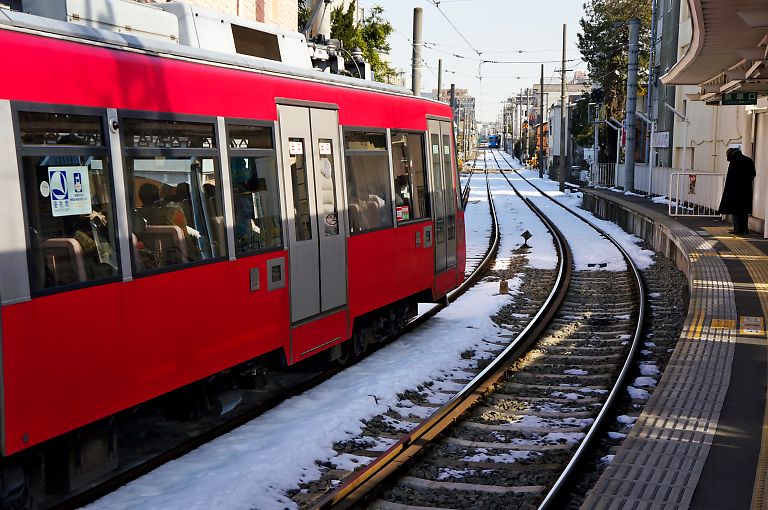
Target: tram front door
<point>444,194</point>
<point>316,229</point>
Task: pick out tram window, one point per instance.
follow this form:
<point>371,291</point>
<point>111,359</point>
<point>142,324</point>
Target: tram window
<point>450,188</point>
<point>174,196</point>
<point>437,189</point>
<point>368,185</point>
<point>68,200</point>
<point>255,189</point>
<point>326,187</point>
<point>409,176</point>
<point>301,207</point>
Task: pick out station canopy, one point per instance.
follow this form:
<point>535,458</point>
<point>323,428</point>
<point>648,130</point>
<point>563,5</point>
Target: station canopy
<point>728,53</point>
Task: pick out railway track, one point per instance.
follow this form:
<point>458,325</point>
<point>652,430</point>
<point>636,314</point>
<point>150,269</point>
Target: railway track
<point>513,435</point>
<point>296,383</point>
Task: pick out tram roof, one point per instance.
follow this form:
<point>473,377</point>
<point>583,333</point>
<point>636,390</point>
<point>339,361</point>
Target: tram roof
<point>23,22</point>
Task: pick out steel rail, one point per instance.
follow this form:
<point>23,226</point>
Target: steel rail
<point>555,494</point>
<point>368,478</point>
<point>467,188</point>
<point>99,490</point>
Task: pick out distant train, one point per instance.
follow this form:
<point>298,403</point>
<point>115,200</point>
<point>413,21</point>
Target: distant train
<point>172,211</point>
<point>494,141</point>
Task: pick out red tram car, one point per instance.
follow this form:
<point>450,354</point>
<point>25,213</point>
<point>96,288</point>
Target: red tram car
<point>171,211</point>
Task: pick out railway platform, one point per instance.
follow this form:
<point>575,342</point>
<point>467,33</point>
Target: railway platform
<point>702,440</point>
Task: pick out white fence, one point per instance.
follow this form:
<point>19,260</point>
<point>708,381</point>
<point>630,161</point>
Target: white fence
<point>605,176</point>
<point>695,193</point>
<point>688,193</point>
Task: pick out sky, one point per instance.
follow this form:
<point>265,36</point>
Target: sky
<point>501,30</point>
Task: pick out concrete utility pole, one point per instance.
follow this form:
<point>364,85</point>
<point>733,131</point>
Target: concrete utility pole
<point>562,118</point>
<point>629,155</point>
<point>649,94</point>
<point>541,124</point>
<point>417,43</point>
<point>439,79</point>
<point>526,150</point>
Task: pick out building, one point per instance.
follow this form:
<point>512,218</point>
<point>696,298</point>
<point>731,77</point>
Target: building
<point>283,13</point>
<point>722,90</point>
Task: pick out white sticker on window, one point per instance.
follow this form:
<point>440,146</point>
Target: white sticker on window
<point>295,148</point>
<point>45,189</point>
<point>447,149</point>
<point>325,149</point>
<point>70,190</point>
<point>435,149</point>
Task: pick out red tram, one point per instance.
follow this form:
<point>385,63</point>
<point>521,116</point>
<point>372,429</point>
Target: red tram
<point>172,211</point>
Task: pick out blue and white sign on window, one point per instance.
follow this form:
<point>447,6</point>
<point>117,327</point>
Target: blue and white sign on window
<point>70,190</point>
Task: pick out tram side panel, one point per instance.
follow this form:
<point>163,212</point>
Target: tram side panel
<point>77,356</point>
<point>73,357</point>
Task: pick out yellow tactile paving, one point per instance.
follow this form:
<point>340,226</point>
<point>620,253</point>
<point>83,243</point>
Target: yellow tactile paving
<point>756,263</point>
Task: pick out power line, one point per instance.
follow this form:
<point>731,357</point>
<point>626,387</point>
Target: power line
<point>436,3</point>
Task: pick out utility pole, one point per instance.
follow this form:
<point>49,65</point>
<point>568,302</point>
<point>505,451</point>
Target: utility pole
<point>649,94</point>
<point>439,79</point>
<point>596,150</point>
<point>562,118</point>
<point>629,156</point>
<point>541,124</point>
<point>416,64</point>
<point>525,123</point>
<point>504,126</point>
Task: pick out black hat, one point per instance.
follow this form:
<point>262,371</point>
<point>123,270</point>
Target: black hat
<point>731,151</point>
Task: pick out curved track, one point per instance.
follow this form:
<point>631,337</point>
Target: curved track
<point>561,373</point>
<point>227,424</point>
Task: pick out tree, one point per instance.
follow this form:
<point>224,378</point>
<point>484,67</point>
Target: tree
<point>304,12</point>
<point>603,43</point>
<point>370,36</point>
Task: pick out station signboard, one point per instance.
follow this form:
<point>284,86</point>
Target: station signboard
<point>739,98</point>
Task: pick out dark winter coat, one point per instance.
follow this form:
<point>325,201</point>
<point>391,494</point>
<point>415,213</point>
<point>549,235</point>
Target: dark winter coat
<point>737,193</point>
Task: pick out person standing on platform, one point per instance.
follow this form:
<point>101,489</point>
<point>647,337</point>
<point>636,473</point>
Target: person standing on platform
<point>737,192</point>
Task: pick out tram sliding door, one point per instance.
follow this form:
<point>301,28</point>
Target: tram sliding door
<point>317,248</point>
<point>443,194</point>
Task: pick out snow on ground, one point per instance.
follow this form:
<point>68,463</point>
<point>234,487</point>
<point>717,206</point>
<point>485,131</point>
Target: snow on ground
<point>642,258</point>
<point>477,221</point>
<point>514,218</point>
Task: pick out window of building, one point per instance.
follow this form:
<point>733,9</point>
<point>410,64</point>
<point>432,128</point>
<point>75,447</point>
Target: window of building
<point>368,180</point>
<point>255,189</point>
<point>409,176</point>
<point>173,192</point>
<point>67,183</point>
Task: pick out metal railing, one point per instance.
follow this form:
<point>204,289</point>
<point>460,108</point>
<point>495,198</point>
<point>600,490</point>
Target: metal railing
<point>604,176</point>
<point>688,193</point>
<point>695,193</point>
